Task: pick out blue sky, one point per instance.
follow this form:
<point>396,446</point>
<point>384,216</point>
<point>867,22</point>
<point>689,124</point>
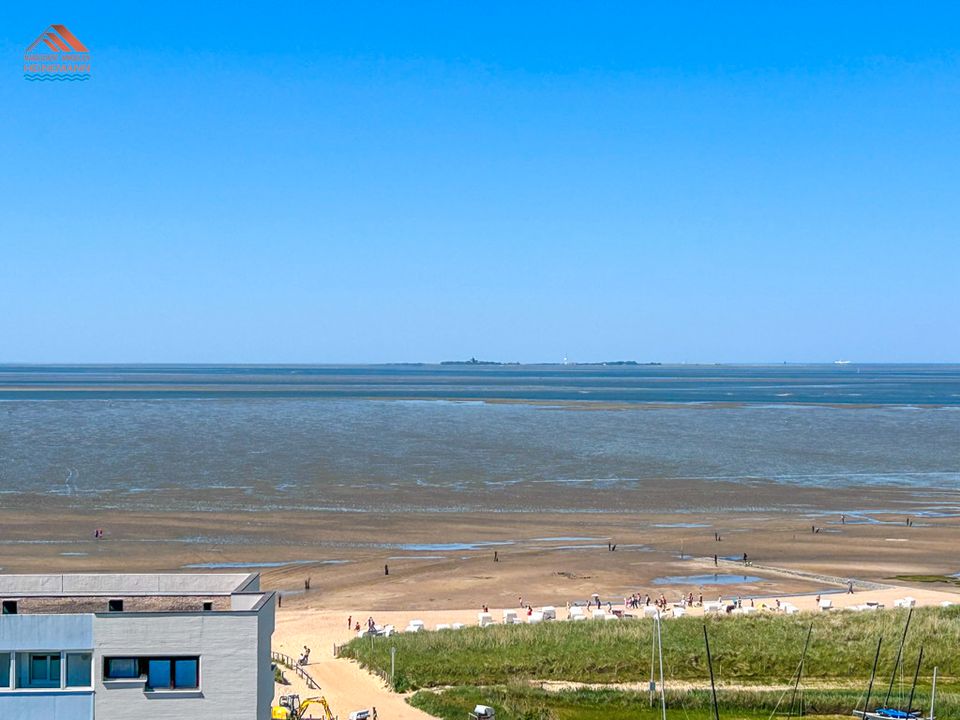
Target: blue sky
<point>371,182</point>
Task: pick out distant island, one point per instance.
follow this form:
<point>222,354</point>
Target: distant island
<point>474,361</point>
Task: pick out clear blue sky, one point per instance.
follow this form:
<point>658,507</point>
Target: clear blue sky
<point>369,182</point>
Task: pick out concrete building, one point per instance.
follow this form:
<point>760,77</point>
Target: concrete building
<point>149,647</point>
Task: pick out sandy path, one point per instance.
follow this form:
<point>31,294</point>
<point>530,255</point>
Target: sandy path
<point>345,684</point>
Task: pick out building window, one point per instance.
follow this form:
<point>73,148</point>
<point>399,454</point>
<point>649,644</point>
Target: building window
<point>161,673</point>
<point>4,670</point>
<point>9,607</point>
<point>78,669</point>
<point>177,673</point>
<point>120,668</point>
<point>115,605</point>
<point>38,670</point>
<point>207,606</point>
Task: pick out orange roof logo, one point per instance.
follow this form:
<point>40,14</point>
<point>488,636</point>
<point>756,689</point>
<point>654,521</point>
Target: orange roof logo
<point>57,54</point>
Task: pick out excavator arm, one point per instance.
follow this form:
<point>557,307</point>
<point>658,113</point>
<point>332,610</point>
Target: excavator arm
<point>321,701</point>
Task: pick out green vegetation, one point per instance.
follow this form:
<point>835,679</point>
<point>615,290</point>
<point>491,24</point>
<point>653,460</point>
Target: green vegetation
<point>516,702</point>
<point>501,666</point>
<point>949,579</point>
<point>757,649</point>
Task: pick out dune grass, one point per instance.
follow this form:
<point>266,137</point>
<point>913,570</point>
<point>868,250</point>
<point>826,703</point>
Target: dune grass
<point>516,702</point>
<point>746,649</point>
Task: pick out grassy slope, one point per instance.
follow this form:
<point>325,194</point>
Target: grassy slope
<point>759,649</point>
<point>524,703</point>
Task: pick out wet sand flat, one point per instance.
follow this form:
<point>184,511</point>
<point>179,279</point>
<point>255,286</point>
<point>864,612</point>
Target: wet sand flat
<point>447,559</point>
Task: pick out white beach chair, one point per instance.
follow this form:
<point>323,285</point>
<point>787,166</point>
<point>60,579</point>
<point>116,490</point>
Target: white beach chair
<point>711,606</point>
<point>457,626</point>
<point>576,613</point>
<point>535,617</point>
<point>443,626</point>
<point>510,617</point>
<point>549,612</point>
<point>946,603</point>
<point>610,616</point>
<point>650,611</point>
<point>790,609</point>
<point>598,613</point>
<point>678,612</point>
<point>826,604</point>
<point>484,619</point>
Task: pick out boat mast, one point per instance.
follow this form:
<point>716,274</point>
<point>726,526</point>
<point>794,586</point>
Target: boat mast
<point>663,690</point>
<point>896,664</point>
<point>653,652</point>
<point>796,685</point>
<point>713,687</point>
<point>913,687</point>
<point>873,675</point>
<point>933,692</point>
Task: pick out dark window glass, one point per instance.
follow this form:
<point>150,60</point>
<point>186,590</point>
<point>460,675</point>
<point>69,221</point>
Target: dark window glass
<point>116,668</point>
<point>9,607</point>
<point>185,673</point>
<point>78,669</point>
<point>39,668</point>
<point>158,673</point>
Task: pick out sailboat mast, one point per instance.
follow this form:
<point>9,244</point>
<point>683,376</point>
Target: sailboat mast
<point>663,690</point>
<point>933,692</point>
<point>803,657</point>
<point>653,652</point>
<point>713,687</point>
<point>896,664</point>
<point>873,675</point>
<point>916,674</point>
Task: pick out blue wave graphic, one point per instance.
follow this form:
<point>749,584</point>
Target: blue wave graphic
<point>52,76</point>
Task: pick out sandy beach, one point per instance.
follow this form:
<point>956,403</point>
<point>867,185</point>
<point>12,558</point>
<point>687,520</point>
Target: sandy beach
<point>348,687</point>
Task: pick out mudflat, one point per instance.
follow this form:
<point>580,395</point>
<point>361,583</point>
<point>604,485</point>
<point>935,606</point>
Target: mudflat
<point>409,560</point>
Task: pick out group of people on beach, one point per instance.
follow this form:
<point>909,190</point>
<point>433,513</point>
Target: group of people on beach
<point>371,624</point>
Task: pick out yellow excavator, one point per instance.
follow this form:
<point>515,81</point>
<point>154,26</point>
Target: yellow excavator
<point>290,708</point>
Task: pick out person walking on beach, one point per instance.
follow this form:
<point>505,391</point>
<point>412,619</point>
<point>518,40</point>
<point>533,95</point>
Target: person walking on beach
<point>744,558</point>
<point>850,587</point>
<point>496,556</point>
<point>843,519</point>
<point>386,569</point>
<point>349,621</point>
<point>374,713</point>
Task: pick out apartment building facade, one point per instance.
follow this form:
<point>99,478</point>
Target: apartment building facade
<point>151,647</point>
